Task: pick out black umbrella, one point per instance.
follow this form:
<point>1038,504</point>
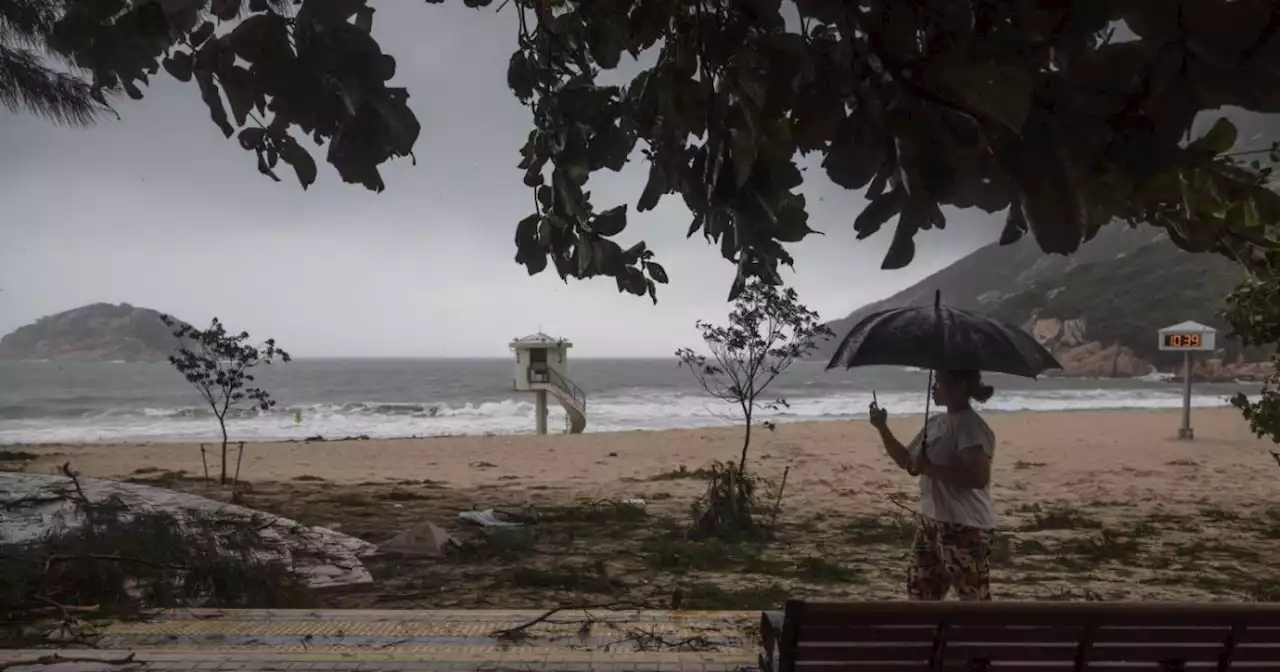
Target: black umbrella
<point>941,338</point>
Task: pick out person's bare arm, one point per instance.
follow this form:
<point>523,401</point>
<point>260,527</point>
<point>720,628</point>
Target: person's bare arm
<point>897,452</point>
<point>974,473</point>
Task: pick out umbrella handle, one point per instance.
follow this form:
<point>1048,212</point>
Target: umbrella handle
<point>928,398</point>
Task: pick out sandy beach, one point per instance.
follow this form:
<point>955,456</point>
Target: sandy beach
<point>1093,505</point>
<point>1080,456</point>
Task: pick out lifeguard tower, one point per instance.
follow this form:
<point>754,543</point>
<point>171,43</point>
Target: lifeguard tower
<point>542,366</point>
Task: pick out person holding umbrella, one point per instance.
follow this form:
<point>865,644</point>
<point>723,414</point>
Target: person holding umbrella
<point>952,456</point>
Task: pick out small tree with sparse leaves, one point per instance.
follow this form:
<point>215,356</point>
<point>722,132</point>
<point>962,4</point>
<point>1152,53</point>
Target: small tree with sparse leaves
<point>220,366</point>
<point>768,330</point>
<point>1253,311</point>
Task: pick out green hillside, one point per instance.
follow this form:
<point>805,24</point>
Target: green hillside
<point>1125,283</point>
<point>1125,300</point>
<point>97,332</point>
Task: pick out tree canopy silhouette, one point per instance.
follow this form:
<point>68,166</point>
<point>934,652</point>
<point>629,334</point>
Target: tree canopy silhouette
<point>1067,115</point>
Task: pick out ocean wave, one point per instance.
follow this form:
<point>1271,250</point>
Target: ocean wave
<point>629,409</point>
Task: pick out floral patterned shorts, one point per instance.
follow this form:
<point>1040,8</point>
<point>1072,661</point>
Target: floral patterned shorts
<point>949,555</point>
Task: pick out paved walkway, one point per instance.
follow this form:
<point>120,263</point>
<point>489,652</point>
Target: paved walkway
<point>439,641</point>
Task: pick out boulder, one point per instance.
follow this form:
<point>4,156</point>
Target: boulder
<point>424,539</point>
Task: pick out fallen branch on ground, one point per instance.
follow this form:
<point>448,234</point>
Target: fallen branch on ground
<point>55,658</point>
<point>75,480</point>
<point>652,640</point>
<point>904,507</point>
<point>519,630</point>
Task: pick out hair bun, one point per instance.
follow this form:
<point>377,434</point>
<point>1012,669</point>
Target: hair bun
<point>982,392</point>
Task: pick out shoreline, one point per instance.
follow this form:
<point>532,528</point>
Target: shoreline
<point>783,421</point>
<point>1072,448</point>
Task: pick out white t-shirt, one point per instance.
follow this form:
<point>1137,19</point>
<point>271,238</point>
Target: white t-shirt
<point>951,436</point>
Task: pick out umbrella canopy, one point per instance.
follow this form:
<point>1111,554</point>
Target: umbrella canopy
<point>942,338</point>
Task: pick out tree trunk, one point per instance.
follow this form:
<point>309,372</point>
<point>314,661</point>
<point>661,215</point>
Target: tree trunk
<point>737,489</point>
<point>222,423</point>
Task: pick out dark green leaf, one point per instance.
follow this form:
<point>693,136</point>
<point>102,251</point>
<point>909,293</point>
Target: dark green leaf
<point>298,157</point>
<point>1220,138</point>
<point>611,222</point>
<point>251,138</point>
<point>902,249</point>
<point>792,221</point>
<point>178,66</point>
<point>877,212</point>
<point>259,38</point>
<point>817,114</point>
<point>225,9</point>
<point>635,253</point>
<point>633,281</point>
<point>744,151</point>
<point>364,19</point>
<point>238,84</point>
<point>654,188</point>
<point>605,39</point>
<point>695,225</point>
<point>582,250</point>
<point>520,76</point>
<point>1001,92</point>
<point>529,251</point>
<point>131,89</point>
<point>200,34</point>
<point>386,67</point>
<point>608,257</point>
<point>657,272</point>
<point>1015,224</point>
<point>265,168</point>
<point>856,155</point>
<point>213,100</point>
<point>329,11</point>
<point>402,126</point>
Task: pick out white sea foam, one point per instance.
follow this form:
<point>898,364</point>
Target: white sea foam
<point>629,409</point>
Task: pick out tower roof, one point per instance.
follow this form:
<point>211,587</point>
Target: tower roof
<point>1194,327</point>
<point>540,340</point>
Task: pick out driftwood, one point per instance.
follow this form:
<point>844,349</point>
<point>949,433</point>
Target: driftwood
<point>56,658</point>
<point>518,631</point>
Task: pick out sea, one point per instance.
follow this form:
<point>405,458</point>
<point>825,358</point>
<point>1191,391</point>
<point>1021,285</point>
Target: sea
<point>60,402</point>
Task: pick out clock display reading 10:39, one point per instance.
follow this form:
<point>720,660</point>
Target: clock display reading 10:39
<point>1191,340</point>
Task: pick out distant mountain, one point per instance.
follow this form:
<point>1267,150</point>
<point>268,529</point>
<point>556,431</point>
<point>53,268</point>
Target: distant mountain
<point>97,332</point>
<point>1097,310</point>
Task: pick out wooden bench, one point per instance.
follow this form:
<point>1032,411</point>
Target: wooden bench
<point>1021,637</point>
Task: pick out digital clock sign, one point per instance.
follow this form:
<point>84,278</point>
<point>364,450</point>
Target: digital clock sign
<point>1190,340</point>
<point>1188,337</point>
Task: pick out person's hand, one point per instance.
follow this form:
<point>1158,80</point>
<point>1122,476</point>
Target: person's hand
<point>918,464</point>
<point>879,417</point>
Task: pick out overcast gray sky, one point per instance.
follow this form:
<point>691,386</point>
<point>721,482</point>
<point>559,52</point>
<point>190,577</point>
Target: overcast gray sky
<point>158,210</point>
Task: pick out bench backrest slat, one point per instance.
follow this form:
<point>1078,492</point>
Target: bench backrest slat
<point>1044,637</point>
<point>1043,634</point>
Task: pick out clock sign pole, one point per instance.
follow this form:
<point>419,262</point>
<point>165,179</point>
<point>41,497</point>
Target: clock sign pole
<point>1187,337</point>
